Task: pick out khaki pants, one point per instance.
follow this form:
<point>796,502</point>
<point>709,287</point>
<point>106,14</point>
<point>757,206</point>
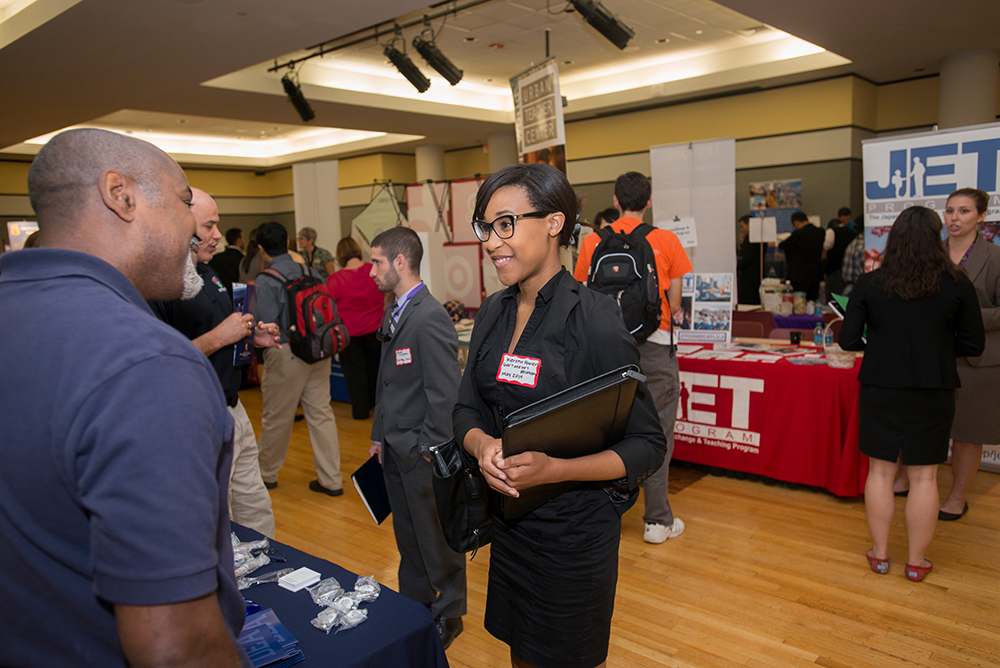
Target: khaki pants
<point>249,502</point>
<point>660,368</point>
<point>287,382</point>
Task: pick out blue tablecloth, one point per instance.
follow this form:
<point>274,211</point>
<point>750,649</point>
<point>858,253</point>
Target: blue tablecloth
<point>399,632</point>
<point>801,321</point>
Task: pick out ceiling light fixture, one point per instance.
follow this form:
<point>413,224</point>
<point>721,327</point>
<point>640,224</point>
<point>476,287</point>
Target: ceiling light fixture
<point>294,92</point>
<point>604,22</point>
<point>407,68</point>
<point>437,60</point>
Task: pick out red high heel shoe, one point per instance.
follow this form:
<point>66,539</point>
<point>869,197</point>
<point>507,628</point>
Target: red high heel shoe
<point>880,566</point>
<point>918,573</point>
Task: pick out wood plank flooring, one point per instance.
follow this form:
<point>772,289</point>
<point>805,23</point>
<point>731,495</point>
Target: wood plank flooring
<point>764,576</point>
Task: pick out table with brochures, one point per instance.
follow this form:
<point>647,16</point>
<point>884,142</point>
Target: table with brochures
<point>399,632</point>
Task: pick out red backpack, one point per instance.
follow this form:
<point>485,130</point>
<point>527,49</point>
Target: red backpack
<point>315,331</point>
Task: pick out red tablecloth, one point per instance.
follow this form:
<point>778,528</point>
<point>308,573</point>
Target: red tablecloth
<point>788,422</point>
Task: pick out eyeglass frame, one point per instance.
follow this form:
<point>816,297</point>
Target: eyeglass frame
<point>514,217</point>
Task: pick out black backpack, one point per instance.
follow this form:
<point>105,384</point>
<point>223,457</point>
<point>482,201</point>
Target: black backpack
<point>624,267</point>
<point>315,331</point>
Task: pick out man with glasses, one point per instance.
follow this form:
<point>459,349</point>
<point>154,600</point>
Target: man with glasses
<point>656,354</point>
<point>416,390</point>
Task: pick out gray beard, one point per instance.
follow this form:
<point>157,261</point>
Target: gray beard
<point>193,283</point>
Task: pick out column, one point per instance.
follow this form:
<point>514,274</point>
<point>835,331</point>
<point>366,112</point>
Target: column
<point>968,89</point>
<point>430,162</point>
<point>503,150</point>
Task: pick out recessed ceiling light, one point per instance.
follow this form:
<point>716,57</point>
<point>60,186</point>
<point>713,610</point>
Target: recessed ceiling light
<point>568,62</point>
<point>663,40</point>
<point>488,80</point>
<point>469,40</point>
<point>698,32</point>
<point>263,132</point>
<point>241,131</point>
<point>182,121</point>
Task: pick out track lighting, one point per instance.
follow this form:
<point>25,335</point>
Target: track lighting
<point>294,92</point>
<point>606,23</point>
<point>428,51</point>
<point>407,68</point>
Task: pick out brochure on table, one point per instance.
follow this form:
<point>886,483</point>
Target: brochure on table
<point>706,314</point>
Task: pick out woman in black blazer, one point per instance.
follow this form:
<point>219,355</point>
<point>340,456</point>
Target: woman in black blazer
<point>921,312</point>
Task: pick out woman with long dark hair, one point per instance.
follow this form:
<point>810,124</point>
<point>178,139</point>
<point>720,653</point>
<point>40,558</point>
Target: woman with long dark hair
<point>553,571</point>
<point>921,313</point>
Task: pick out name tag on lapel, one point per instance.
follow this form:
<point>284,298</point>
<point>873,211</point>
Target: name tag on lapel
<point>518,370</point>
<point>404,356</point>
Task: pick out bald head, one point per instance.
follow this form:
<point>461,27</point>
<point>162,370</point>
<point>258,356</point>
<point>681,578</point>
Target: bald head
<point>120,199</point>
<point>64,175</point>
<point>206,219</point>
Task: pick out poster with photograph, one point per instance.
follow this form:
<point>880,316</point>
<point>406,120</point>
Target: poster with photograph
<point>778,199</point>
<point>706,314</point>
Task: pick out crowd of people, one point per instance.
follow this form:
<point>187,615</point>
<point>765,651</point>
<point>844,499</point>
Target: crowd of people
<point>127,254</point>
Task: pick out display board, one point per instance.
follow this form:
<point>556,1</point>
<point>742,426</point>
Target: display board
<point>463,204</point>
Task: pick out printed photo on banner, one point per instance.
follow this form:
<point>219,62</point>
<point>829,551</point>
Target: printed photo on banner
<point>706,314</point>
<point>553,155</point>
<point>778,200</point>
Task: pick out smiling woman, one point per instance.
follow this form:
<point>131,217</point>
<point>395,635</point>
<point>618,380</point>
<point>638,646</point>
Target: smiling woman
<point>553,570</point>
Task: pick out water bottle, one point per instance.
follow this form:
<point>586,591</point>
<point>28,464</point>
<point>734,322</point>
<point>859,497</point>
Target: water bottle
<point>818,334</point>
<point>829,337</point>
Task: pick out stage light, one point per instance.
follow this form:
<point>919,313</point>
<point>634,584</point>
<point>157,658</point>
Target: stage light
<point>294,93</point>
<point>606,23</point>
<point>407,68</point>
<point>429,52</point>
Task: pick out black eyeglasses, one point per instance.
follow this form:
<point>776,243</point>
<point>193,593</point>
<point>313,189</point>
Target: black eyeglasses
<point>503,225</point>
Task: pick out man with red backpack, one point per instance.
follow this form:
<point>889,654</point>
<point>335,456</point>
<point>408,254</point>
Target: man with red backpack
<point>289,379</point>
<point>616,249</point>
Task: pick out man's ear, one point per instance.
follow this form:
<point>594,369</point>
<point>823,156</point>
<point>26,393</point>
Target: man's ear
<point>399,263</point>
<point>118,194</point>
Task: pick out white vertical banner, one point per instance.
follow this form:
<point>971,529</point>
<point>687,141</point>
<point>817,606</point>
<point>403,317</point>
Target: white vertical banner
<point>697,180</point>
<point>538,112</point>
<point>317,200</point>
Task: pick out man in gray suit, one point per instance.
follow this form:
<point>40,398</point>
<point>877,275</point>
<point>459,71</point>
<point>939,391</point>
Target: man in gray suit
<point>416,391</point>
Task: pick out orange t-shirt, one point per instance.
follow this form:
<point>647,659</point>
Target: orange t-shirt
<point>671,260</point>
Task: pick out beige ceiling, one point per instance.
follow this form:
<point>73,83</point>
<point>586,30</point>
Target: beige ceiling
<point>173,70</point>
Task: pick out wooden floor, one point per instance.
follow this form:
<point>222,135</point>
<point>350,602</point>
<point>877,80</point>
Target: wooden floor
<point>763,576</point>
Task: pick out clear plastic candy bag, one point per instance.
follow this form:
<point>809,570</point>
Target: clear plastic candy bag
<point>252,564</point>
<point>366,589</point>
<point>350,619</point>
<point>325,591</point>
<point>326,619</point>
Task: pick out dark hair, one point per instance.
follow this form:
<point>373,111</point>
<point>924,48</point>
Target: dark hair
<point>547,190</point>
<point>744,219</point>
<point>632,190</point>
<point>843,211</point>
<point>914,261</point>
<point>800,217</point>
<point>834,222</point>
<point>273,238</point>
<point>400,241</point>
<point>347,249</point>
<point>34,240</point>
<point>609,216</point>
<point>980,197</point>
<point>233,235</point>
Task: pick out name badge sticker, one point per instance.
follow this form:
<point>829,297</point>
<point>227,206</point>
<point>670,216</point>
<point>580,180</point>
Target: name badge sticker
<point>404,356</point>
<point>518,370</point>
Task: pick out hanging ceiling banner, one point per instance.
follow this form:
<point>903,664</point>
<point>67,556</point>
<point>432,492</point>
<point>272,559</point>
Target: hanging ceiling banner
<point>538,112</point>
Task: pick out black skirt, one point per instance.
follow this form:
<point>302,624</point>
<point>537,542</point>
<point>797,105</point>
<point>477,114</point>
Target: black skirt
<point>916,422</point>
<point>552,581</point>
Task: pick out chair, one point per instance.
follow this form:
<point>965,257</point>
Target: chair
<point>745,329</point>
<point>765,318</point>
<point>783,332</point>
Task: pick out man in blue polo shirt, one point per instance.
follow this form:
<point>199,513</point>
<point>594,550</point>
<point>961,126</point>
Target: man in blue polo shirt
<point>116,443</point>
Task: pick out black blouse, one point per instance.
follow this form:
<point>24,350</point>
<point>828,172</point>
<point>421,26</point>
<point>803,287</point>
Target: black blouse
<point>576,334</point>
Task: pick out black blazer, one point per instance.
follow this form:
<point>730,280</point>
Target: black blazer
<point>804,252</point>
<point>912,344</point>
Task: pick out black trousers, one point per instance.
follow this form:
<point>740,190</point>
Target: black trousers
<point>359,361</point>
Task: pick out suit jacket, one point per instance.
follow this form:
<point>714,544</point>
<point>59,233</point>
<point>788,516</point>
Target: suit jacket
<point>983,269</point>
<point>418,378</point>
<point>912,344</point>
<point>804,252</point>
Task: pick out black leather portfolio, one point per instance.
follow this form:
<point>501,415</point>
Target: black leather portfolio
<point>581,420</point>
